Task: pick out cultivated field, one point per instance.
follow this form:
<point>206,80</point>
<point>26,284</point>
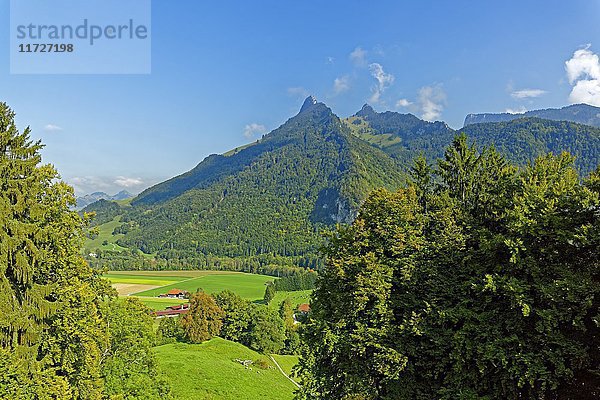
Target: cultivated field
<point>147,285</point>
<point>248,286</point>
<point>208,371</point>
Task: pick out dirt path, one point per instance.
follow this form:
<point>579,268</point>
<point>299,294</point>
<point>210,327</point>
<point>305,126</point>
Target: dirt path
<point>284,374</point>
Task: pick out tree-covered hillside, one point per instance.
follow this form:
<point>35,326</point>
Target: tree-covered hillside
<point>269,198</point>
<point>272,198</point>
<point>580,113</point>
<point>522,140</point>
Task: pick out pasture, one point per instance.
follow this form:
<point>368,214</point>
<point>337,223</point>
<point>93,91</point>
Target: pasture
<point>208,371</point>
<point>247,286</point>
<point>297,298</point>
<point>147,285</point>
<point>287,363</point>
<point>105,236</point>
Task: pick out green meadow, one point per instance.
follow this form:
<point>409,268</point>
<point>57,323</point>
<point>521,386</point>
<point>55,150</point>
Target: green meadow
<point>286,362</point>
<point>143,280</point>
<point>247,286</point>
<point>159,304</point>
<point>297,298</point>
<point>208,371</point>
<point>105,236</point>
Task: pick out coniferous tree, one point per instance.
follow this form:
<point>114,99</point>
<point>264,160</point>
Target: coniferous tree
<point>51,328</point>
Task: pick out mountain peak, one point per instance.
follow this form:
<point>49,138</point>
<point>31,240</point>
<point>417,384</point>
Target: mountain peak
<point>365,111</point>
<point>309,103</point>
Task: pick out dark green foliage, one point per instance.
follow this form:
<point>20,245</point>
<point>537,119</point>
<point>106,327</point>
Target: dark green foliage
<point>51,330</point>
<point>169,330</point>
<point>520,140</point>
<point>266,331</point>
<point>269,293</point>
<point>524,139</point>
<point>257,326</point>
<point>292,338</point>
<point>238,313</point>
<point>129,367</point>
<point>304,280</point>
<point>104,211</point>
<point>486,287</point>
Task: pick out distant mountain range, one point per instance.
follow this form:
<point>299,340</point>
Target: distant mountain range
<point>88,199</point>
<point>580,113</point>
<point>275,196</point>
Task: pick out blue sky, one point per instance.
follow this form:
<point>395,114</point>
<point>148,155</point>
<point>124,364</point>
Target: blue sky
<point>224,73</point>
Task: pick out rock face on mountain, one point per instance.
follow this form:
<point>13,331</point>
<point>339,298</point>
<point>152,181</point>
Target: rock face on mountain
<point>580,113</point>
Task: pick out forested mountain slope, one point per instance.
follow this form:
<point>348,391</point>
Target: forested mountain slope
<point>273,197</point>
<point>522,140</point>
<point>580,113</point>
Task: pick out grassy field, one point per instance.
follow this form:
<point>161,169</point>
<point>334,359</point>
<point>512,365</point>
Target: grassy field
<point>158,304</point>
<point>248,286</point>
<point>147,285</point>
<point>207,371</point>
<point>105,234</point>
<point>171,274</point>
<point>299,297</point>
<point>286,363</point>
<point>134,278</point>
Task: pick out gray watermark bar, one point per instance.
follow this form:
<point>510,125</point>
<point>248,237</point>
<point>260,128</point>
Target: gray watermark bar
<point>80,37</point>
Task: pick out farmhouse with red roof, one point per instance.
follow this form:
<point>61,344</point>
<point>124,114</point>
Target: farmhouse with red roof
<point>175,294</point>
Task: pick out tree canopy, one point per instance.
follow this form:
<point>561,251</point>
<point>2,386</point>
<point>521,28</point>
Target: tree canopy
<point>480,282</point>
<point>62,333</point>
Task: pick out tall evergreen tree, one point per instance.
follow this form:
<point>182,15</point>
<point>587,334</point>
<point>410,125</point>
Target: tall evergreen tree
<point>51,328</point>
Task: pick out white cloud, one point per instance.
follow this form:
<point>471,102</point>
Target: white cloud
<point>52,128</point>
<point>254,129</point>
<point>82,183</point>
<point>432,100</point>
<point>108,184</point>
<point>527,93</point>
<point>583,72</point>
<point>358,57</point>
<point>519,110</point>
<point>403,103</point>
<point>586,91</point>
<point>126,182</point>
<point>341,84</point>
<point>384,80</point>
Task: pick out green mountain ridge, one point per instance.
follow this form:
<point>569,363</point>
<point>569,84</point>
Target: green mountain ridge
<point>581,113</point>
<point>275,196</point>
